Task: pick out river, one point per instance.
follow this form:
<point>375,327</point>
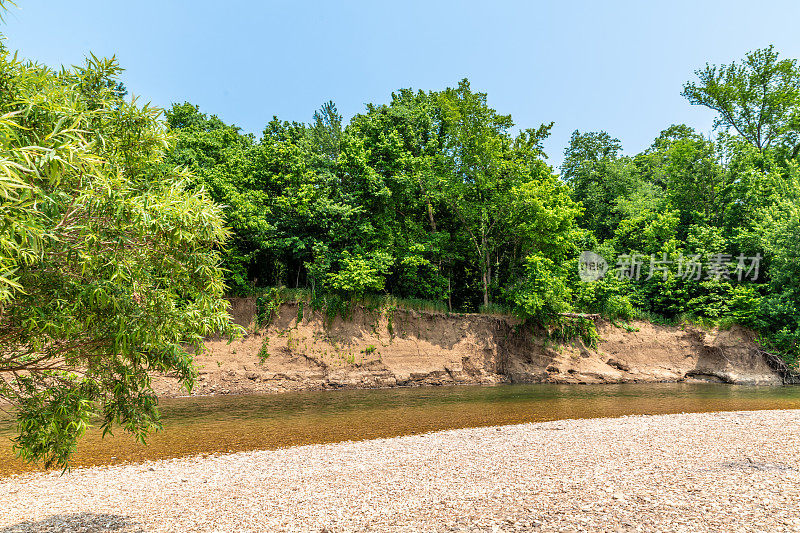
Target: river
<point>221,424</point>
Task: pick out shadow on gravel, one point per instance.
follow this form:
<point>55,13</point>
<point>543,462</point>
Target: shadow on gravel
<point>77,523</point>
<point>749,464</point>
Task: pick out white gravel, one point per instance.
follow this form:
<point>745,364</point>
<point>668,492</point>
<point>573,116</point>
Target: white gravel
<point>689,472</point>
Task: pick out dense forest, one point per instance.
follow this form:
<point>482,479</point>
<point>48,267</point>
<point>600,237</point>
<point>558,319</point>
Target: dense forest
<point>429,197</point>
<point>123,227</point>
<point>433,196</point>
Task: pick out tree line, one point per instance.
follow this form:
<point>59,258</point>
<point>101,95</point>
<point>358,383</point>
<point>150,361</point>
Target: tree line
<point>431,196</point>
<point>428,197</point>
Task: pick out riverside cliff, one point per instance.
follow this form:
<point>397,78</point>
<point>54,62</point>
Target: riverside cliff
<point>303,350</point>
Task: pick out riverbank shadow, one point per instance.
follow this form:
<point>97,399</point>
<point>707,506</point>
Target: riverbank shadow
<point>77,523</point>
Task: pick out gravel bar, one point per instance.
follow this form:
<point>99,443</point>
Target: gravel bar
<point>735,471</point>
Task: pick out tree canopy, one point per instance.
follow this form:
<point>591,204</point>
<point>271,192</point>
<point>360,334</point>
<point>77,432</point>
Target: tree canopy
<point>421,198</point>
<point>109,257</point>
<point>757,97</point>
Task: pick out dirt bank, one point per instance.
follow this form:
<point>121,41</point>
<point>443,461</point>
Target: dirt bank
<point>305,351</point>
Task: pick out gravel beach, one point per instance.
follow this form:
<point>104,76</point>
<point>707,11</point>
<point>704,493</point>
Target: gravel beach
<point>737,471</point>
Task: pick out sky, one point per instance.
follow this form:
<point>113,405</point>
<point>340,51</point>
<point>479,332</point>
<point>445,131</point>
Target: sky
<point>616,66</point>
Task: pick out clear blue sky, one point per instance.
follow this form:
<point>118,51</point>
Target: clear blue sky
<point>617,66</point>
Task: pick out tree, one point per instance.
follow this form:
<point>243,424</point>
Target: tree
<point>202,141</point>
<point>325,132</point>
<point>587,147</point>
<point>480,170</point>
<point>599,178</point>
<point>110,264</point>
<point>756,97</point>
<point>688,167</point>
<point>543,219</point>
<point>390,167</point>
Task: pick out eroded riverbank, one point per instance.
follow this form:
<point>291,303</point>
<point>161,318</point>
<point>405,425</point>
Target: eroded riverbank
<point>734,471</point>
<point>305,350</point>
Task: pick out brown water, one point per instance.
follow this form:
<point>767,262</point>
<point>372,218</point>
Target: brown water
<point>234,423</point>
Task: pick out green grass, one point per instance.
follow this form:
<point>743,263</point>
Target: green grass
<point>384,301</point>
<point>269,299</point>
<point>495,309</point>
<point>707,323</point>
<point>687,319</point>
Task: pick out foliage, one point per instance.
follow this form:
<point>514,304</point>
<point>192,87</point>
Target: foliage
<point>109,262</point>
<point>429,198</point>
<point>599,178</point>
<point>688,197</point>
<point>263,352</point>
<point>568,329</point>
<point>267,306</point>
<point>757,97</point>
<point>542,294</point>
<point>609,297</point>
<point>359,274</point>
<point>369,350</point>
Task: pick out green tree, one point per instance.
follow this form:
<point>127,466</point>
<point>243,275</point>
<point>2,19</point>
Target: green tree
<point>110,264</point>
<point>757,97</point>
<point>390,167</point>
<point>599,178</point>
<point>482,164</point>
<point>587,147</point>
<point>688,167</point>
<point>325,132</point>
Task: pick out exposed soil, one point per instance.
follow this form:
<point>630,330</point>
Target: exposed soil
<point>306,351</point>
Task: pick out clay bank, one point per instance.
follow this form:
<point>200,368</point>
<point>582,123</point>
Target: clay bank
<point>304,350</point>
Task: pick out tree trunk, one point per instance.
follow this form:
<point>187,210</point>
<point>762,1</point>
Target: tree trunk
<point>485,270</point>
<point>428,203</point>
<point>485,287</point>
<point>449,291</point>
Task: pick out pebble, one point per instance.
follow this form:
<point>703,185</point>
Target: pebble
<point>686,472</point>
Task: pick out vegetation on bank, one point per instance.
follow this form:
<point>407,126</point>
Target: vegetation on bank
<point>109,258</point>
<point>122,230</point>
<point>433,197</point>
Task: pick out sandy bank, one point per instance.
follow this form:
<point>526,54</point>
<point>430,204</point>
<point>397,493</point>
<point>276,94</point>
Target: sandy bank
<point>692,472</point>
<point>303,350</point>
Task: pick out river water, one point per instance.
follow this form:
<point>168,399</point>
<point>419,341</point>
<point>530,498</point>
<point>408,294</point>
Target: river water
<point>220,424</point>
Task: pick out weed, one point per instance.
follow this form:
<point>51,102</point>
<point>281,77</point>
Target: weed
<point>369,349</point>
<point>267,306</point>
<point>566,329</point>
<point>495,309</point>
<point>263,352</point>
